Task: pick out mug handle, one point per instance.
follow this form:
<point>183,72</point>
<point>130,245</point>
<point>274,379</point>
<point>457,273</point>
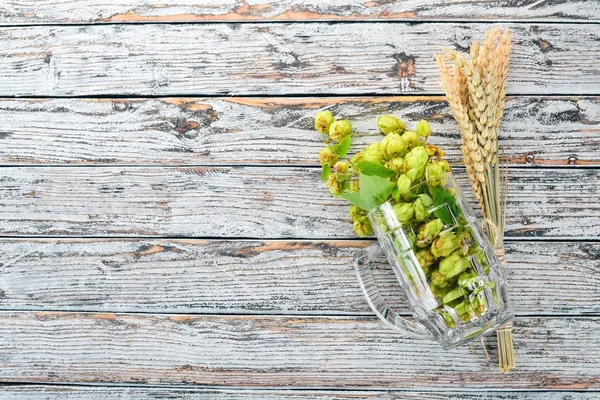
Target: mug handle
<point>362,261</point>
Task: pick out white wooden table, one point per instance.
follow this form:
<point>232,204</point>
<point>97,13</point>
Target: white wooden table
<point>165,234</point>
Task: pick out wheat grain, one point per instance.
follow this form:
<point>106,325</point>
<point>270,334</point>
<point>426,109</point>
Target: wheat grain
<point>457,99</point>
<point>476,93</point>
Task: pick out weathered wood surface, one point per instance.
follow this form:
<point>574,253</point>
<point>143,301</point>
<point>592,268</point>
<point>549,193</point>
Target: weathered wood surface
<point>359,58</point>
<point>221,131</point>
<point>34,392</point>
<point>261,202</point>
<point>96,11</point>
<point>554,353</point>
<point>262,277</point>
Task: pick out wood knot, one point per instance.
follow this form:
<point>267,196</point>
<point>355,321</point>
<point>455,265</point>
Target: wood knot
<point>189,129</point>
<point>530,158</point>
<point>405,65</point>
<point>544,45</point>
<point>121,105</point>
<point>403,69</point>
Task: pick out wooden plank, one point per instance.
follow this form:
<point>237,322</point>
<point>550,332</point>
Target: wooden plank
<point>47,392</point>
<point>221,131</point>
<point>553,353</point>
<point>95,11</point>
<point>262,277</point>
<point>261,202</point>
<point>359,58</point>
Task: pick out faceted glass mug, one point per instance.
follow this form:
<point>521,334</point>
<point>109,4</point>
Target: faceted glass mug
<point>452,308</point>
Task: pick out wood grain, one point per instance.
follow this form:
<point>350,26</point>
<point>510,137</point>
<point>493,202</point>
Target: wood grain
<point>262,277</point>
<point>261,202</point>
<point>46,392</point>
<point>96,11</point>
<point>226,131</point>
<point>318,352</point>
<point>361,58</point>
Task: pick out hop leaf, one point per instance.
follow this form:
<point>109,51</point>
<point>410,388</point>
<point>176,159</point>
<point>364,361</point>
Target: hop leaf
<point>374,191</point>
<point>371,168</point>
<point>344,145</point>
<point>325,171</point>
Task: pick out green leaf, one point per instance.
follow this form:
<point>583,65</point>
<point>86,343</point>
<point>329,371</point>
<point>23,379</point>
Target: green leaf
<point>395,193</point>
<point>374,190</point>
<point>326,171</point>
<point>371,168</point>
<point>344,146</point>
<point>355,199</point>
<point>440,197</point>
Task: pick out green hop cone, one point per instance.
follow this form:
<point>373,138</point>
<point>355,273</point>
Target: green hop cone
<point>454,264</point>
<point>341,167</point>
<point>464,239</point>
<point>362,227</point>
<point>482,259</point>
<point>323,120</point>
<point>404,183</point>
<point>440,280</point>
<point>396,164</point>
<point>354,186</point>
<point>415,162</point>
<point>412,238</point>
<point>371,153</point>
<point>453,295</point>
<point>340,129</point>
<point>423,128</point>
<point>437,173</point>
<point>434,151</point>
<point>469,309</point>
<point>444,245</point>
<point>422,204</point>
<point>355,211</point>
<point>468,278</point>
<point>336,183</point>
<point>373,156</point>
<point>392,146</point>
<point>429,231</point>
<point>450,322</point>
<point>438,291</point>
<point>375,146</point>
<point>328,155</point>
<point>389,124</point>
<point>411,139</point>
<point>404,212</point>
<point>425,259</point>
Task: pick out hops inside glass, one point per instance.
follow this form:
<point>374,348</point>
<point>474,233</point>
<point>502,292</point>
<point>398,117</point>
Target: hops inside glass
<point>454,282</point>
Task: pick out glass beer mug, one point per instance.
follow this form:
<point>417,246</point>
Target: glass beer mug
<point>450,273</point>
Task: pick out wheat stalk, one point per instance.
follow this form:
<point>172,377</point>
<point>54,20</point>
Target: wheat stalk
<point>458,101</point>
<point>476,91</point>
